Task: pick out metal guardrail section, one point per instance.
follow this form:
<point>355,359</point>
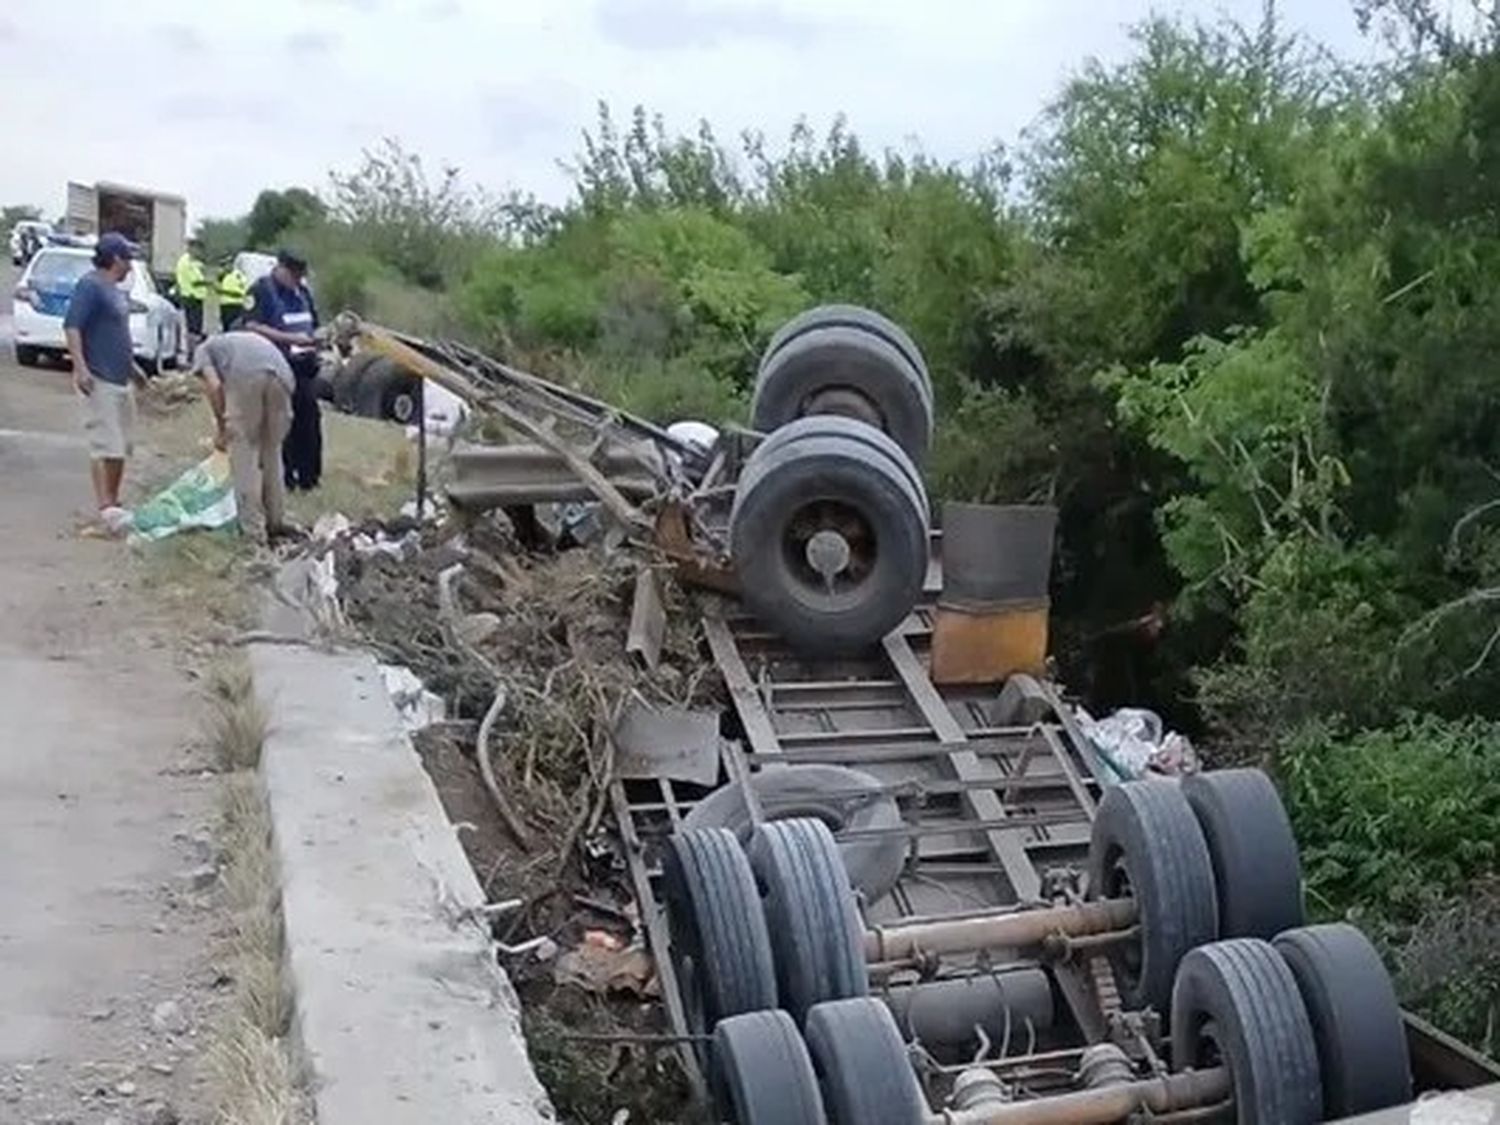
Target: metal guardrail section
<point>992,812</point>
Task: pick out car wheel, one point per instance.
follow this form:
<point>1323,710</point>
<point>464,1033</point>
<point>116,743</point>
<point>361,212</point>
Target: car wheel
<point>719,947</point>
<point>844,799</point>
<point>847,372</point>
<point>817,941</point>
<point>829,540</point>
<point>374,387</point>
<point>1147,845</point>
<point>28,356</point>
<point>852,316</point>
<point>763,1073</point>
<point>1236,1005</point>
<point>1356,1019</point>
<point>865,1070</point>
<point>402,400</point>
<point>1256,867</point>
<point>347,380</point>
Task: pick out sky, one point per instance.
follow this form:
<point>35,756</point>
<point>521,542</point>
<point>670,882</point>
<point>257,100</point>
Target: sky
<point>215,101</point>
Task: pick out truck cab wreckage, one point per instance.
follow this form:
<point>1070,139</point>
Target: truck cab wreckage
<point>907,889</point>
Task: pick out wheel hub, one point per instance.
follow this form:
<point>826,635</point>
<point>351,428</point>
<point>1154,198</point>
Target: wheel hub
<point>828,553</point>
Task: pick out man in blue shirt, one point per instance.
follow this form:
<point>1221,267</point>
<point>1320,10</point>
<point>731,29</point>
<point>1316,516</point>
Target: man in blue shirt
<point>282,310</point>
<point>97,327</point>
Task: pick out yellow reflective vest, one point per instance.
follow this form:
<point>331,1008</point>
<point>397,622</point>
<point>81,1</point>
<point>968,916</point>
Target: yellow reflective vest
<point>233,288</point>
<point>191,284</point>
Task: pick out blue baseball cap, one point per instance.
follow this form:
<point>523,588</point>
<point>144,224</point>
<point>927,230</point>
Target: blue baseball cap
<point>111,247</point>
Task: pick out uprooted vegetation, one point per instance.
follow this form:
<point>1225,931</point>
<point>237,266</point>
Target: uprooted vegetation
<point>528,648</point>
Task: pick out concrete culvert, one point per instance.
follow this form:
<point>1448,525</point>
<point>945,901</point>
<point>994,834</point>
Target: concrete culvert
<point>841,798</point>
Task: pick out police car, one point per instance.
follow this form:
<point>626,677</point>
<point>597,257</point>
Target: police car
<point>41,300</point>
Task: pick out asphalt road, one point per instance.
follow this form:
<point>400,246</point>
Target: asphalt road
<point>101,796</point>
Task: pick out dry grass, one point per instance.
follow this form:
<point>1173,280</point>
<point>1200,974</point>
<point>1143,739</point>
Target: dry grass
<point>255,1081</point>
<point>237,722</point>
<point>369,467</point>
<point>254,1077</point>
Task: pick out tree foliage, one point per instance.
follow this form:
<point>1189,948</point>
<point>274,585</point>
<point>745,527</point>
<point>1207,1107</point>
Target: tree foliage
<point>275,212</point>
<point>1232,306</point>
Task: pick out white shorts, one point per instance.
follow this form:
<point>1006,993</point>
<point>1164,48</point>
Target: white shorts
<point>109,420</point>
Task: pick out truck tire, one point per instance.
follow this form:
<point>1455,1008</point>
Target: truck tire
<point>719,946</point>
<point>28,356</point>
<point>852,316</point>
<point>763,1075</point>
<point>863,1065</point>
<point>1256,865</point>
<point>835,426</point>
<point>1146,843</point>
<point>873,863</point>
<point>845,371</point>
<point>817,941</point>
<point>1236,1003</point>
<point>829,542</point>
<point>1356,1020</point>
<point>383,389</point>
<point>348,378</point>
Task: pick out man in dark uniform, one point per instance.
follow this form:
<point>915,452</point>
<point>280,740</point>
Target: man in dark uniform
<point>282,310</point>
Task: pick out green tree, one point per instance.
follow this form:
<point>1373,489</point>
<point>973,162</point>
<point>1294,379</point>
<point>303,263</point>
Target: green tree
<point>275,212</point>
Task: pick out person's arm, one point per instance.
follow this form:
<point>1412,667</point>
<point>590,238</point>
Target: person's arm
<point>83,379</point>
<point>80,309</point>
<point>213,390</point>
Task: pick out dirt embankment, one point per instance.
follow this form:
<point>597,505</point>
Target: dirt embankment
<point>545,629</point>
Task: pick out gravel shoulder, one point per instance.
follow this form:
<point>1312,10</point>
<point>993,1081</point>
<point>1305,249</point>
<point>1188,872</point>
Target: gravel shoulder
<point>107,916</point>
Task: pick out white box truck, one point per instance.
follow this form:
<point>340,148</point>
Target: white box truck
<point>154,220</point>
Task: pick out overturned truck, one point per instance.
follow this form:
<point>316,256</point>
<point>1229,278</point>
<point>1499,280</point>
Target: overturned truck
<point>909,889</point>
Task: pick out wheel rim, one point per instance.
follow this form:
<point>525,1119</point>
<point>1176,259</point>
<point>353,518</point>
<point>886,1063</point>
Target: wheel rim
<point>829,550</point>
<point>1129,957</point>
<point>403,407</point>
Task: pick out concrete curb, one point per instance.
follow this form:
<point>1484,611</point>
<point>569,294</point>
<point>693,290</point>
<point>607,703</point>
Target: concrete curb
<point>402,1012</point>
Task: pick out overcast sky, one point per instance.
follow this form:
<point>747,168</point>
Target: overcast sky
<point>215,100</point>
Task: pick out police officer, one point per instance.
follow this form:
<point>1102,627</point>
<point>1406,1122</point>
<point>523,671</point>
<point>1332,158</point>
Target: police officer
<point>234,291</point>
<point>192,288</point>
<point>282,310</point>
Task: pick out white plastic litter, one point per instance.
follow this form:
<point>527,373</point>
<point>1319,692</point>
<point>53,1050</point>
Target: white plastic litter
<point>700,434</point>
<point>382,544</point>
<point>417,706</point>
<point>1132,743</point>
<point>329,526</point>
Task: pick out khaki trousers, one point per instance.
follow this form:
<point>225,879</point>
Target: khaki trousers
<point>257,414</point>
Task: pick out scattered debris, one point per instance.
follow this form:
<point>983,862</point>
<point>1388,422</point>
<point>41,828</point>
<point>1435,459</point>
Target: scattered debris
<point>674,743</point>
<point>602,963</point>
<point>1132,743</point>
<point>202,497</point>
<point>417,706</point>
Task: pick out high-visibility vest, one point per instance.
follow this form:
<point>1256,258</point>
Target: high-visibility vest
<point>233,288</point>
<point>191,284</point>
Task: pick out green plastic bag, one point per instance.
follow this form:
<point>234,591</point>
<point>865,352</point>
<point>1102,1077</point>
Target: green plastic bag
<point>201,498</point>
